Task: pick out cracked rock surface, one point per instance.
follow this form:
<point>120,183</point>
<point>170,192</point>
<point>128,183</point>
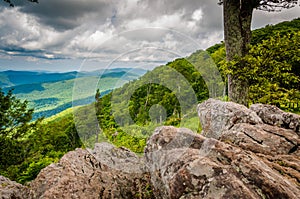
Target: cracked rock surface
<point>84,174</point>
<point>241,153</point>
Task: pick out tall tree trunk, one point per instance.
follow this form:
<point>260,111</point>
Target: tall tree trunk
<point>237,33</point>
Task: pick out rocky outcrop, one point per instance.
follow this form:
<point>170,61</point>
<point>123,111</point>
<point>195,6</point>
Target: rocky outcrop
<point>244,153</point>
<point>10,189</point>
<point>209,168</point>
<point>276,141</point>
<point>105,172</point>
<point>94,174</point>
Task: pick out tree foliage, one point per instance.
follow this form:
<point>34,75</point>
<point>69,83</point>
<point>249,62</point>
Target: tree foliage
<point>237,17</point>
<point>14,116</point>
<point>278,46</point>
<point>129,115</point>
<point>26,147</point>
<point>271,68</point>
<point>14,124</point>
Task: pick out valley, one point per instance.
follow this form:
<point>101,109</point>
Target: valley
<point>51,93</point>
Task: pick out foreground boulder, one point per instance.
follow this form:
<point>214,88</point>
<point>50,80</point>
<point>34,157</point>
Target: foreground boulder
<point>207,168</point>
<point>83,174</point>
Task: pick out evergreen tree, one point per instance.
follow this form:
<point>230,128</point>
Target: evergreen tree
<point>14,123</point>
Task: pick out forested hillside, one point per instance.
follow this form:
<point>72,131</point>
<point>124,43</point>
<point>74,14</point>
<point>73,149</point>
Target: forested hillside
<point>165,96</point>
<point>51,93</point>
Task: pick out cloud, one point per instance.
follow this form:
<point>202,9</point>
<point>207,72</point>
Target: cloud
<point>102,30</point>
<point>69,14</point>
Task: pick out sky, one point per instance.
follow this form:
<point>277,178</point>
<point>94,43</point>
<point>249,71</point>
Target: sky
<point>68,35</point>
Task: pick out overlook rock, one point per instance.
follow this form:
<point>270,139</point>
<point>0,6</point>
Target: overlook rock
<point>241,153</point>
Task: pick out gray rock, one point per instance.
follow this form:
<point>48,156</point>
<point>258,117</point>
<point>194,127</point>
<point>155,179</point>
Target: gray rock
<point>209,168</point>
<point>274,116</point>
<point>262,138</point>
<point>118,158</point>
<point>12,190</point>
<point>217,116</point>
<point>79,174</point>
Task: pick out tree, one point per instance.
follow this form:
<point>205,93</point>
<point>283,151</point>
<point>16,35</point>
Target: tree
<point>237,16</point>
<point>14,115</point>
<point>97,95</point>
<point>268,68</point>
<point>14,123</point>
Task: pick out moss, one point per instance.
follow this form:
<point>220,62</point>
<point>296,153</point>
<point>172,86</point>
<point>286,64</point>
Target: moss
<point>282,163</point>
<point>4,184</point>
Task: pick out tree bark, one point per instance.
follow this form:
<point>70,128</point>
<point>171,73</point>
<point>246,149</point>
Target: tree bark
<point>237,36</point>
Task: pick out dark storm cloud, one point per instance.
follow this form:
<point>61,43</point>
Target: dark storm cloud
<point>22,52</point>
<point>68,14</point>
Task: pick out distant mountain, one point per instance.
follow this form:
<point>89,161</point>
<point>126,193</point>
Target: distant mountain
<point>14,78</point>
<point>50,93</point>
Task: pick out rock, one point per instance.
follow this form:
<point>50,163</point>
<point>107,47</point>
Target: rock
<point>262,138</point>
<point>12,190</point>
<point>118,158</point>
<point>81,174</point>
<point>209,168</point>
<point>217,116</point>
<point>274,116</point>
<point>276,141</point>
<point>244,154</point>
<point>244,128</point>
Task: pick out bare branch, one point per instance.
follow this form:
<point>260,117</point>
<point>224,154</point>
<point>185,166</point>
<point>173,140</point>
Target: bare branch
<point>11,3</point>
<point>269,5</point>
<point>276,5</point>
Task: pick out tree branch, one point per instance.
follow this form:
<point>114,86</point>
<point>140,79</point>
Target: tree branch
<point>270,5</point>
<point>11,4</point>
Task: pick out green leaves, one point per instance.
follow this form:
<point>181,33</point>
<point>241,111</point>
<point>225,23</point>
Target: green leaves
<point>27,147</point>
<point>14,115</point>
<point>270,69</point>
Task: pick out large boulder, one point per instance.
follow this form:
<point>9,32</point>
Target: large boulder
<point>207,168</point>
<point>217,116</point>
<point>261,129</point>
<point>93,174</point>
